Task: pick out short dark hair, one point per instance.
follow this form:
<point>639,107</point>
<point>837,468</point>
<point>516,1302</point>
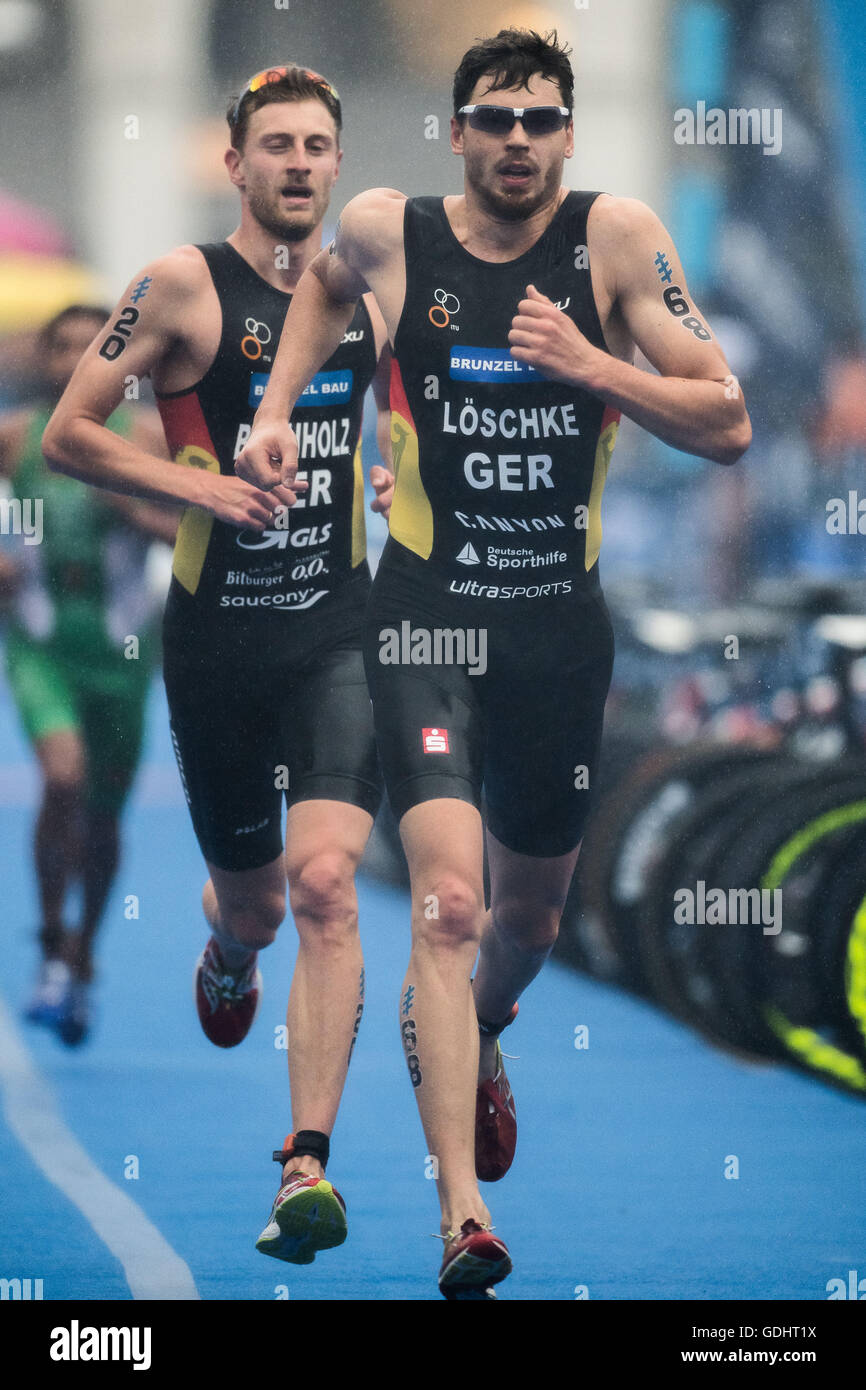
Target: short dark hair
<point>510,58</point>
<point>48,331</point>
<point>295,85</point>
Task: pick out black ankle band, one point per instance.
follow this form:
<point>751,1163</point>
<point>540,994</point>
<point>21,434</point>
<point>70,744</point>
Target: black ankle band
<point>312,1142</point>
<point>306,1141</point>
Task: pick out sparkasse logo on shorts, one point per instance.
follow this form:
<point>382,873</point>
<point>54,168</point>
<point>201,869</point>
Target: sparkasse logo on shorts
<point>435,740</point>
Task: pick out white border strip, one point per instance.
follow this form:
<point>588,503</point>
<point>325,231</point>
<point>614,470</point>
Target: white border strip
<point>151,1268</point>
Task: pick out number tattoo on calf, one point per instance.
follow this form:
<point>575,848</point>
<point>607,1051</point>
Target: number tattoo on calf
<point>410,1038</point>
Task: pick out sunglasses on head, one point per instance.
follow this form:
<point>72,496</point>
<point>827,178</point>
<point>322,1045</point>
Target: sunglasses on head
<point>261,79</point>
<point>500,120</point>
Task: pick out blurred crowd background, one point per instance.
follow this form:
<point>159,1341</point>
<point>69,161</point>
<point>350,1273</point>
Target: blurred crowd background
<point>112,114</point>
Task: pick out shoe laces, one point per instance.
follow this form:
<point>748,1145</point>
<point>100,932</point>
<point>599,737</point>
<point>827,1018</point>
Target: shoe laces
<point>228,986</point>
<point>500,1055</point>
<point>453,1235</point>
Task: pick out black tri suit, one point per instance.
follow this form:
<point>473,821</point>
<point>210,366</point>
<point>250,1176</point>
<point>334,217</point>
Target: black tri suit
<point>487,641</point>
<point>262,655</point>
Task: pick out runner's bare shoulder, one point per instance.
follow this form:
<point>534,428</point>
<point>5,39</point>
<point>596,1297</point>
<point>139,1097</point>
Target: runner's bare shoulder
<point>623,223</point>
<point>370,229</point>
<point>181,273</point>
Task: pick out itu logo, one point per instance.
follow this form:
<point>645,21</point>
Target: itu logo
<point>440,313</point>
<point>258,335</point>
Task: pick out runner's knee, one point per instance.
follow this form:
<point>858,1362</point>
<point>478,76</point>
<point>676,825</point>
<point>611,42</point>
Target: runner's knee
<point>254,923</point>
<point>526,924</point>
<point>322,894</point>
<point>450,914</point>
<point>63,768</point>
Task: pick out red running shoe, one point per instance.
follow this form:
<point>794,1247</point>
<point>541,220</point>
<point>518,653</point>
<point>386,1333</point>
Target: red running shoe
<point>475,1259</point>
<point>495,1122</point>
<point>226,1003</point>
<point>308,1215</point>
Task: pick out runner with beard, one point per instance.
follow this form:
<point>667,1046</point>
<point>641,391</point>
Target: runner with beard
<point>514,311</point>
<point>263,665</point>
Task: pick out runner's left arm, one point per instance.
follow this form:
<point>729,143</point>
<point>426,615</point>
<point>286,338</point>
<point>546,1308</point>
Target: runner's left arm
<point>382,478</point>
<point>695,403</point>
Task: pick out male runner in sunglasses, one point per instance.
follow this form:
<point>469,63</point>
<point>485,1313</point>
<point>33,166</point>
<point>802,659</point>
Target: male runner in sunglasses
<point>263,665</point>
<point>514,311</point>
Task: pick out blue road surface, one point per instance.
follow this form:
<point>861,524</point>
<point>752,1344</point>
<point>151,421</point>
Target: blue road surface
<point>618,1185</point>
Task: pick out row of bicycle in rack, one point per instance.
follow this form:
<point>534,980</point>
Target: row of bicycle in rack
<point>727,884</point>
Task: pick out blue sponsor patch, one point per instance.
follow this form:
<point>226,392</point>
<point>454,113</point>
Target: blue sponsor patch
<point>489,364</point>
<point>258,383</point>
<point>326,388</point>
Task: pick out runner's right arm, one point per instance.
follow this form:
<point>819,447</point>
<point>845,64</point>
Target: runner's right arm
<point>145,329</point>
<point>320,312</point>
<point>157,520</point>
